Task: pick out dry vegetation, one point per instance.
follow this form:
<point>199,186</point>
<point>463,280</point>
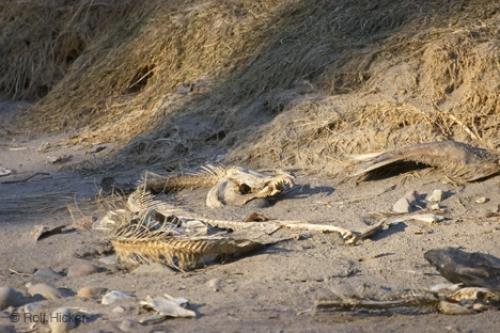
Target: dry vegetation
<point>288,83</point>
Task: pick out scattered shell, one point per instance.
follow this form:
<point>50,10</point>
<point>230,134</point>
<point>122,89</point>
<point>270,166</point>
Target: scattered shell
<point>481,200</point>
<point>82,268</point>
<point>114,296</point>
<point>91,292</point>
<point>436,196</point>
<point>46,291</point>
<point>62,320</point>
<point>168,306</point>
<point>10,297</point>
<point>4,172</point>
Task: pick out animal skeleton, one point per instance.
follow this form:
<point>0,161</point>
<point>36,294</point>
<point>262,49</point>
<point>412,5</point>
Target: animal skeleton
<point>228,186</point>
<point>459,161</point>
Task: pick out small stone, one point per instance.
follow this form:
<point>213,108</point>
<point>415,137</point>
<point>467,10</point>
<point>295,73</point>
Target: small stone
<point>91,292</point>
<point>10,297</point>
<point>82,268</point>
<point>46,291</point>
<point>436,196</point>
<point>114,296</point>
<point>128,325</point>
<point>402,206</point>
<point>47,274</point>
<point>481,200</point>
<point>214,284</point>
<point>62,320</point>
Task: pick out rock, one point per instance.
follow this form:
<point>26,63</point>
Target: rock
<point>481,200</point>
<point>62,320</point>
<point>4,172</point>
<point>46,291</point>
<point>82,268</point>
<point>10,297</point>
<point>402,206</point>
<point>473,269</point>
<point>128,325</point>
<point>91,292</point>
<point>436,196</point>
<point>47,274</point>
<point>114,296</point>
<point>214,284</point>
<point>7,329</point>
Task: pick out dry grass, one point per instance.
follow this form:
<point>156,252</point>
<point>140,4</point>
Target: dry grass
<point>287,83</point>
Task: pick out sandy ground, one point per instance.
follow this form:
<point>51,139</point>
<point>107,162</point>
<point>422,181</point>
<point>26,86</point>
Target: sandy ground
<point>271,291</point>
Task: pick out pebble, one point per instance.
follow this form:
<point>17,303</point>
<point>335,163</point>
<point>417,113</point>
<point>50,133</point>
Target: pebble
<point>46,291</point>
<point>4,172</point>
<point>436,196</point>
<point>214,284</point>
<point>128,325</point>
<point>401,206</point>
<point>62,320</point>
<point>47,274</point>
<point>10,297</point>
<point>118,309</point>
<point>91,292</point>
<point>115,296</point>
<point>82,268</point>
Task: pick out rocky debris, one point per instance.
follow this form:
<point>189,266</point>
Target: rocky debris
<point>45,290</point>
<point>471,269</point>
<point>167,305</point>
<point>10,297</point>
<point>42,231</point>
<point>436,196</point>
<point>114,296</point>
<point>5,172</point>
<point>62,320</point>
<point>91,292</point>
<point>82,268</point>
<point>47,274</point>
<point>59,159</point>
